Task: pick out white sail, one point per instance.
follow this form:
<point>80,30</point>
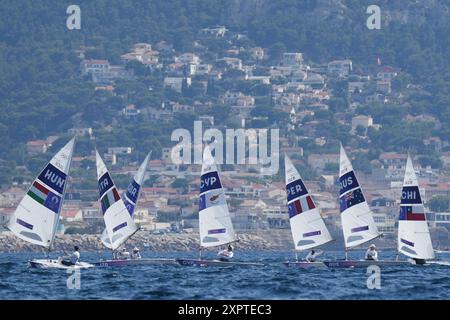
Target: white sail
<point>131,196</point>
<point>413,234</point>
<point>119,224</point>
<point>215,223</point>
<point>307,226</point>
<point>37,215</point>
<point>357,220</point>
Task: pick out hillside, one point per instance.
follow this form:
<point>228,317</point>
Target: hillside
<point>42,92</point>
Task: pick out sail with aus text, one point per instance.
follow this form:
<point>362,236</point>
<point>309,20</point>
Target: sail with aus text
<point>358,224</point>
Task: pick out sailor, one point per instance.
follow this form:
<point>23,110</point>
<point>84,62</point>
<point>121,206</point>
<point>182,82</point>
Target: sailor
<point>72,259</point>
<point>226,255</point>
<point>311,257</point>
<point>135,254</point>
<point>371,253</point>
<point>124,254</point>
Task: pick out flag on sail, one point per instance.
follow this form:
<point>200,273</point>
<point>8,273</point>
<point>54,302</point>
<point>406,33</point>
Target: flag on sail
<point>36,218</point>
<point>44,196</point>
<point>357,221</point>
<point>413,233</point>
<point>307,226</point>
<point>131,196</point>
<point>119,224</point>
<point>215,223</point>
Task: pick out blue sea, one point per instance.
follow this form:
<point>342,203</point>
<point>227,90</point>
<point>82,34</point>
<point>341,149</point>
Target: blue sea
<point>272,281</point>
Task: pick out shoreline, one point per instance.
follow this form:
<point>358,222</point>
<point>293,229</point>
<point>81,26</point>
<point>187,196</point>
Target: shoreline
<point>170,242</point>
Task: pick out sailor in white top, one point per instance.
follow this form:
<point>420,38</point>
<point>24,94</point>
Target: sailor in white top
<point>371,253</point>
<point>124,254</point>
<point>226,255</point>
<point>72,259</point>
<point>135,254</point>
<point>311,257</point>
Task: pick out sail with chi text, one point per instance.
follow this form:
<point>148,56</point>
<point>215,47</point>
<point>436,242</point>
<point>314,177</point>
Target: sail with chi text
<point>215,223</point>
<point>37,215</point>
<point>131,196</point>
<point>357,220</point>
<point>414,238</point>
<point>307,226</point>
<point>119,223</point>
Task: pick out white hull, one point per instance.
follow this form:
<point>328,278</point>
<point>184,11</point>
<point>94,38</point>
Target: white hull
<point>56,264</point>
<point>440,263</point>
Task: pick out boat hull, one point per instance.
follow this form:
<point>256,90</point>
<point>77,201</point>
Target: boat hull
<point>56,264</point>
<point>218,263</point>
<point>364,263</point>
<point>133,262</point>
<point>439,262</point>
<point>304,264</point>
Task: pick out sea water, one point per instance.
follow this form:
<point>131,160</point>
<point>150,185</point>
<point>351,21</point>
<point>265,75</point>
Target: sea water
<point>272,281</point>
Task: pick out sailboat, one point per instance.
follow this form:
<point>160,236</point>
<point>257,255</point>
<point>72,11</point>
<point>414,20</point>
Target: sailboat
<point>215,225</point>
<point>413,240</point>
<point>36,218</point>
<point>118,214</point>
<point>307,226</point>
<point>131,196</point>
<point>357,221</point>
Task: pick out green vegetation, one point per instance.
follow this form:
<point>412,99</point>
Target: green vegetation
<point>42,92</point>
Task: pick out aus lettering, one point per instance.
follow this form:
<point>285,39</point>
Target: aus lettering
<point>346,182</point>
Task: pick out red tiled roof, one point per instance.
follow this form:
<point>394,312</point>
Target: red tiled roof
<point>392,155</point>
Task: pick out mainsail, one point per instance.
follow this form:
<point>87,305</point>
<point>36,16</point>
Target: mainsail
<point>37,215</point>
<point>119,224</point>
<point>357,220</point>
<point>413,234</point>
<point>307,226</point>
<point>131,196</point>
<point>215,223</point>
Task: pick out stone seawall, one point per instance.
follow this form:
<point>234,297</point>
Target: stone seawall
<point>147,242</point>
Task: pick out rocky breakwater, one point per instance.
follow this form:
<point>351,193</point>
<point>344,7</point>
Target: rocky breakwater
<point>169,242</point>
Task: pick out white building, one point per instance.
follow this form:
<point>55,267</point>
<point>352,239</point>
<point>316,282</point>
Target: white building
<point>292,59</point>
<point>340,68</point>
<point>176,83</point>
